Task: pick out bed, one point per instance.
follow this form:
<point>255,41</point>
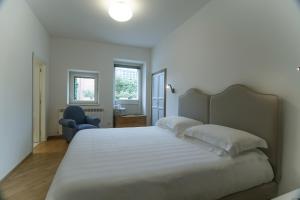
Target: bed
<point>149,163</point>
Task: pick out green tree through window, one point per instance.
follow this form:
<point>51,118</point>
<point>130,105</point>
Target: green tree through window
<point>126,83</point>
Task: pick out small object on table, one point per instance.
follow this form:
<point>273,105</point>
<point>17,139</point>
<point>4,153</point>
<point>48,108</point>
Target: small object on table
<point>120,111</point>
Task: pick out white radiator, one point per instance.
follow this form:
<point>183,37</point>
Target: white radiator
<point>89,111</point>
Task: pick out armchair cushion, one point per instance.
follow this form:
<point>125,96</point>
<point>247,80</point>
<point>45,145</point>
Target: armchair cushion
<point>85,126</point>
<point>70,123</point>
<point>93,121</point>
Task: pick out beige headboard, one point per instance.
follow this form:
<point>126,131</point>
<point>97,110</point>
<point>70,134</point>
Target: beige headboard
<point>241,108</point>
<point>194,104</point>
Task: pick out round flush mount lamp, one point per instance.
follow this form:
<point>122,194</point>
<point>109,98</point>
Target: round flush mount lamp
<point>298,69</point>
<point>120,10</point>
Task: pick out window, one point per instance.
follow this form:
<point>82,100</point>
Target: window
<point>83,87</point>
<point>127,83</point>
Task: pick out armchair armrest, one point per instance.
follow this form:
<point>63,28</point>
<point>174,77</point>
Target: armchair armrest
<point>93,120</point>
<point>70,123</point>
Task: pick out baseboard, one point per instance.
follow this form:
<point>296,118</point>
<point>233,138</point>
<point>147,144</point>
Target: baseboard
<point>55,137</point>
<point>11,171</point>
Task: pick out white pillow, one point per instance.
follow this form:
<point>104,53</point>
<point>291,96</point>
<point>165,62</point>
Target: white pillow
<point>232,140</point>
<point>204,145</point>
<point>177,124</point>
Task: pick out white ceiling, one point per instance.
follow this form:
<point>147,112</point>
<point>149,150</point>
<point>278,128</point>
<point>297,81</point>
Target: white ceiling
<point>89,20</point>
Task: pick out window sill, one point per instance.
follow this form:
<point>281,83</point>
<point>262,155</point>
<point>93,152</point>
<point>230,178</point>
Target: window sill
<point>127,102</point>
<point>83,104</point>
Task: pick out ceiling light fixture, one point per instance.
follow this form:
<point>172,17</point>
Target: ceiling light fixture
<point>120,10</point>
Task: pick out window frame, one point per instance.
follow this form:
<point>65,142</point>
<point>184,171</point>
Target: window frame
<point>72,74</point>
<point>139,67</point>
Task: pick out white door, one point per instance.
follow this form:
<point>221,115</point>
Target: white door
<point>39,102</point>
<point>158,96</point>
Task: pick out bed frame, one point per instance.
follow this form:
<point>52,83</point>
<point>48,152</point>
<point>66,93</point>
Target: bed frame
<point>242,108</point>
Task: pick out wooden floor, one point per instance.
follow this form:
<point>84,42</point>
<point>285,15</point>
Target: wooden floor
<point>32,178</point>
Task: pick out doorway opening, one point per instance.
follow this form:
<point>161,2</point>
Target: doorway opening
<point>158,97</point>
<point>39,102</point>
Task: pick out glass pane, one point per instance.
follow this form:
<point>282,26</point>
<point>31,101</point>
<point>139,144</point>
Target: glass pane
<point>126,83</point>
<point>84,89</point>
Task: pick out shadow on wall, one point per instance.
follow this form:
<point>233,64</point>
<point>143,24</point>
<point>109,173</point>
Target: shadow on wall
<point>1,2</point>
<point>298,1</point>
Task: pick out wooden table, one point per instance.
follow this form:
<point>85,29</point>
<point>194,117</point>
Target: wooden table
<point>130,121</point>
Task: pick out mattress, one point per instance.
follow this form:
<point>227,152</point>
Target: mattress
<point>151,163</point>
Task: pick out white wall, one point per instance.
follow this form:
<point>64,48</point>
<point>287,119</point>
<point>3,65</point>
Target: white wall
<point>75,54</point>
<point>253,42</point>
<point>20,35</point>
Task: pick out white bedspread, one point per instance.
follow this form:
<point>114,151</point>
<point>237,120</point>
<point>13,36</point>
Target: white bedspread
<point>151,164</point>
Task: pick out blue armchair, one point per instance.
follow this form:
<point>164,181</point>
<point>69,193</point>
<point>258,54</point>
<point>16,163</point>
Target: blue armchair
<point>75,120</point>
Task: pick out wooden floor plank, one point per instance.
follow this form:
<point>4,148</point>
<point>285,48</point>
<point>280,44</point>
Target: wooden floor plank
<point>32,178</point>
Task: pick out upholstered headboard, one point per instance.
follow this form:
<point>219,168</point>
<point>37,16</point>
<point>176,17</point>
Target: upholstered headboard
<point>194,104</point>
<point>241,108</point>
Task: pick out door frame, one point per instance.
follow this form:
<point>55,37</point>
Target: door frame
<point>165,90</point>
<point>39,76</point>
